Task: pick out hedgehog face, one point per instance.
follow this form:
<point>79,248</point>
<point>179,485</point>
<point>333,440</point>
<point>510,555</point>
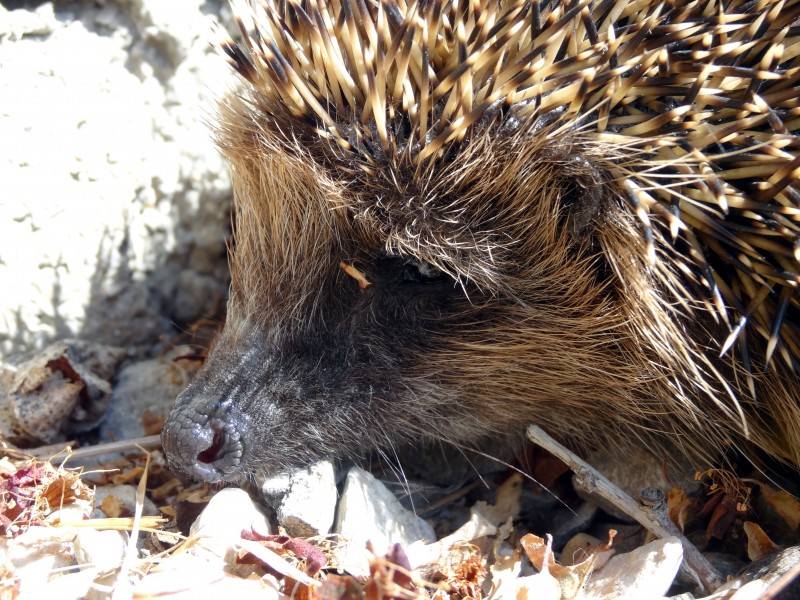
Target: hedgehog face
<point>552,212</point>
<point>462,282</point>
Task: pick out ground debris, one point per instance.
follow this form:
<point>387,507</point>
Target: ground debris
<point>31,493</point>
<point>227,544</point>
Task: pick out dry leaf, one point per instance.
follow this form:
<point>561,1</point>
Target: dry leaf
<point>391,577</point>
<point>582,547</point>
<point>29,494</point>
<point>542,585</point>
<point>723,516</point>
<point>166,490</point>
<point>537,550</point>
<point>678,505</point>
<point>466,576</point>
<point>132,476</point>
<point>758,542</point>
<point>112,506</point>
<point>570,578</point>
<point>339,587</point>
<point>313,559</point>
<point>783,503</point>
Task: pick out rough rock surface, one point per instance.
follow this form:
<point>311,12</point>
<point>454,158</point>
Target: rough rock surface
<point>369,512</point>
<point>115,201</point>
<point>144,393</point>
<point>62,390</point>
<point>307,509</point>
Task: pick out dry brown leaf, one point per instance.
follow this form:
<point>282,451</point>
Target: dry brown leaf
<point>33,491</point>
<point>112,506</point>
<point>391,577</point>
<point>339,587</point>
<point>758,542</point>
<point>166,490</point>
<point>543,585</point>
<point>466,576</point>
<point>133,475</point>
<point>783,503</point>
<point>678,505</point>
<point>583,547</point>
<point>537,550</point>
<point>542,466</point>
<point>570,578</point>
<point>724,515</point>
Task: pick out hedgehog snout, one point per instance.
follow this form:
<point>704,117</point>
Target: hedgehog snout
<point>204,441</point>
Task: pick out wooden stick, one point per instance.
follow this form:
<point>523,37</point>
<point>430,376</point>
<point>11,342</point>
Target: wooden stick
<point>650,512</point>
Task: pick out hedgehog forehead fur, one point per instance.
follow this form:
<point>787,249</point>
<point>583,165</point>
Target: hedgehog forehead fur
<point>609,191</point>
<point>691,108</point>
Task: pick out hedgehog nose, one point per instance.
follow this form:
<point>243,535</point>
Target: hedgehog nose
<point>206,448</point>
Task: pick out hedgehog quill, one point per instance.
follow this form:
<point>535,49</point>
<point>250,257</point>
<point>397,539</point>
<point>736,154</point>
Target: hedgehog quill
<point>584,215</point>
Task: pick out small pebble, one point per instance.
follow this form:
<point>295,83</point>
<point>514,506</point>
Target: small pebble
<point>308,508</point>
<point>368,511</point>
<point>647,572</point>
<point>219,527</point>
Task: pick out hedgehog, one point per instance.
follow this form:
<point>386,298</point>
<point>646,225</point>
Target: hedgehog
<point>456,218</point>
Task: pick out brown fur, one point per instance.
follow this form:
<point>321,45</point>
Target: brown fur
<point>576,187</point>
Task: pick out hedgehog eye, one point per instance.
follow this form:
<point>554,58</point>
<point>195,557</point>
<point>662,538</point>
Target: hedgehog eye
<point>418,271</point>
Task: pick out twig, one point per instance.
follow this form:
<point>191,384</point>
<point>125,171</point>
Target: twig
<point>51,451</point>
<point>780,584</point>
<point>652,513</point>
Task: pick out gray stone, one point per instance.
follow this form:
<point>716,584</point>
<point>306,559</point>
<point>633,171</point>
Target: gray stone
<point>62,390</point>
<point>125,495</point>
<point>150,385</point>
<point>115,200</point>
<point>103,549</point>
<point>647,572</point>
<point>369,512</point>
<point>308,507</point>
<point>274,487</point>
<point>221,523</point>
<point>36,554</point>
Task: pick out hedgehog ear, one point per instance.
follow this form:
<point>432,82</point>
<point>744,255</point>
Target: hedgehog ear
<point>583,206</point>
<point>583,201</point>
